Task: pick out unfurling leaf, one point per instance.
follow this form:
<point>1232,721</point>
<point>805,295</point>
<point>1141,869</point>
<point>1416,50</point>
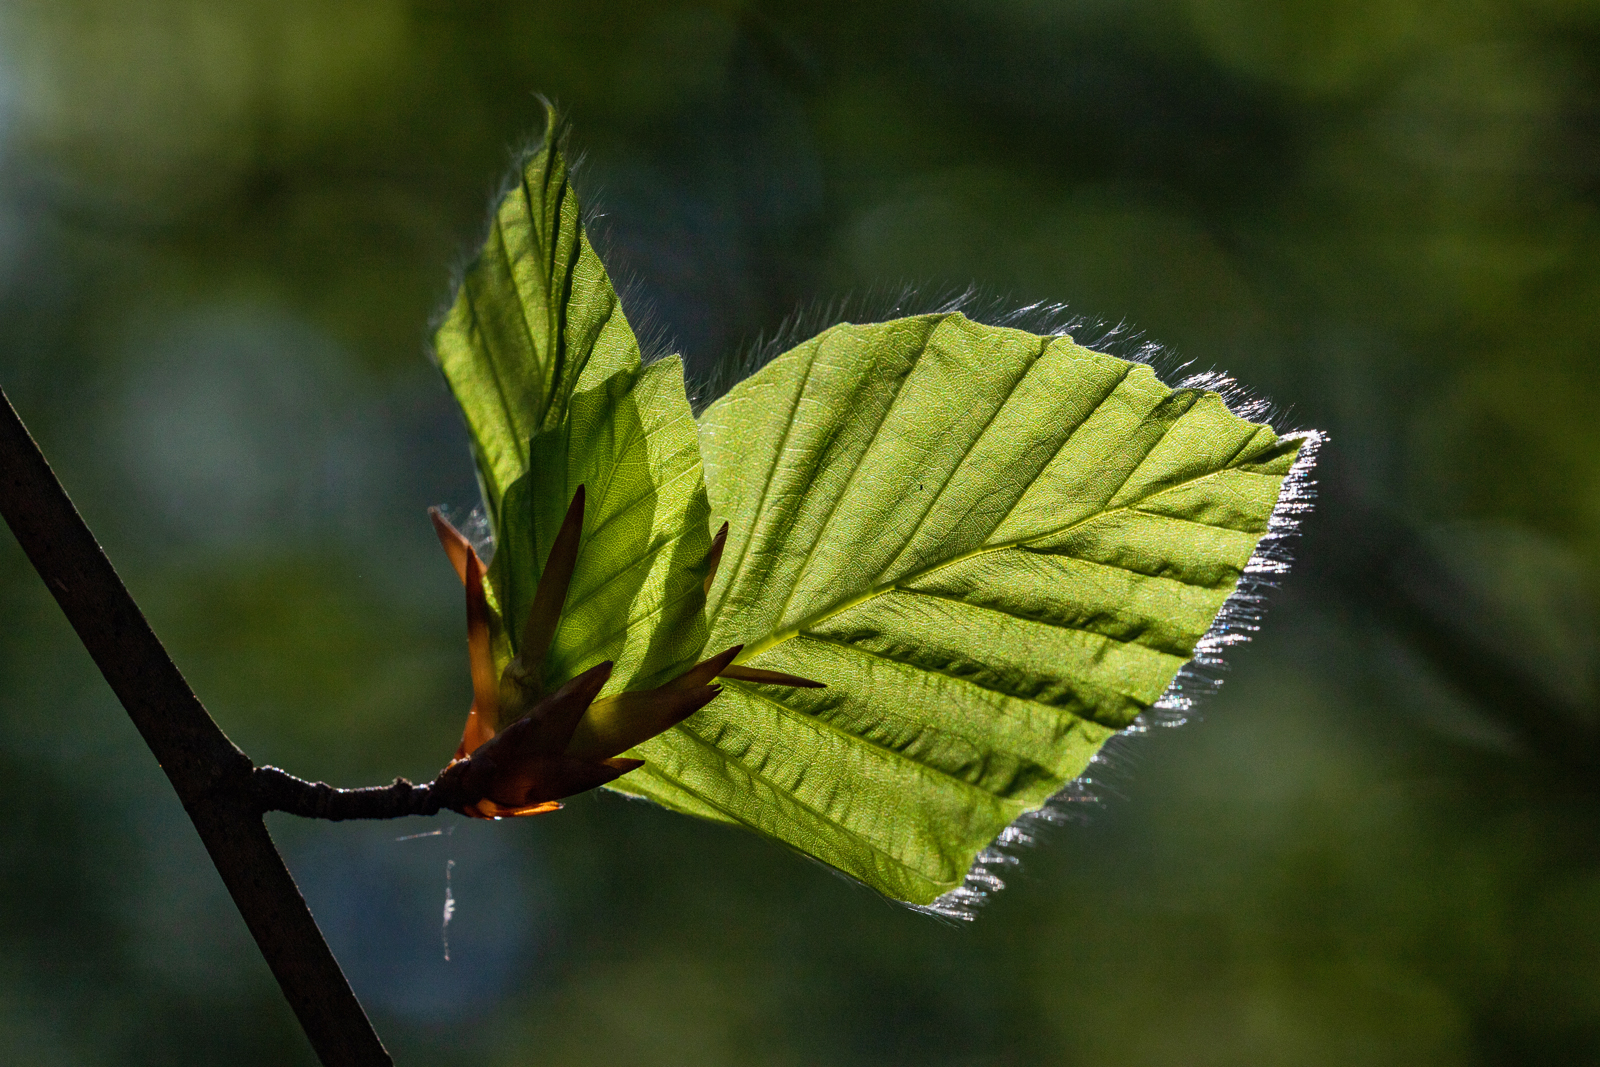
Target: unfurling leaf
<point>591,476</point>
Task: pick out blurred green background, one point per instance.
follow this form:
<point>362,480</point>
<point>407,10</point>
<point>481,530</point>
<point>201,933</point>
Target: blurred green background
<point>225,224</point>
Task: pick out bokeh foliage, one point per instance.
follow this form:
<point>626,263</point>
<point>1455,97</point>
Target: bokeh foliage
<point>224,227</point>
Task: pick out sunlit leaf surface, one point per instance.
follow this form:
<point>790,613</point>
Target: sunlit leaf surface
<point>996,549</point>
<point>548,372</point>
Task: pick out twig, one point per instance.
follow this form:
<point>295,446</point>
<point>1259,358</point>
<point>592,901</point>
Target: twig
<point>278,790</point>
<point>214,780</point>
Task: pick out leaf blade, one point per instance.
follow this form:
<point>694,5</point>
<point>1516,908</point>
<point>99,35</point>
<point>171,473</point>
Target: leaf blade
<point>535,319</point>
<point>996,549</point>
<point>549,375</point>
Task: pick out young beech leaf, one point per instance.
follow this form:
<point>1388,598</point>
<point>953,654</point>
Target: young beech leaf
<point>995,549</point>
<point>571,432</point>
<point>956,559</point>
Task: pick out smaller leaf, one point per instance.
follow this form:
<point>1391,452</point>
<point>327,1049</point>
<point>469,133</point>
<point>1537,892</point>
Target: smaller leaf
<point>549,376</point>
<point>535,320</point>
<point>590,469</point>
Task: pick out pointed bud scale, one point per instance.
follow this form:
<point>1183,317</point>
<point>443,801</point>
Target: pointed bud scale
<point>714,557</point>
<point>488,809</point>
<point>741,673</point>
<point>474,734</point>
<point>615,724</point>
<point>525,768</point>
<point>549,779</point>
<point>702,673</point>
<point>551,595</point>
<point>480,654</point>
<point>569,741</point>
<point>547,729</point>
<point>456,545</point>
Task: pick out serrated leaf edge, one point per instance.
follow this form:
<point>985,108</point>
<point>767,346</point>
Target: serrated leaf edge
<point>1196,680</point>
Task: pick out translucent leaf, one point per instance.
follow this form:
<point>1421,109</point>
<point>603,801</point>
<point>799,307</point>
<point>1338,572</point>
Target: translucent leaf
<point>996,550</point>
<point>637,593</point>
<point>548,373</point>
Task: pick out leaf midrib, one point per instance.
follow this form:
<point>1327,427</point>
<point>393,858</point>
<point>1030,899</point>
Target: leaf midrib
<point>778,638</point>
<point>772,640</point>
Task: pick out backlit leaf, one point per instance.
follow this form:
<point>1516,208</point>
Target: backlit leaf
<point>996,550</point>
<point>548,373</point>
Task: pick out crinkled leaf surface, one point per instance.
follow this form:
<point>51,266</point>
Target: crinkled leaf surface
<point>995,548</point>
<point>548,373</point>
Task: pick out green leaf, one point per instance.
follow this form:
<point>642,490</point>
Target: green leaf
<point>996,549</point>
<point>548,373</point>
<point>637,594</point>
<point>534,320</point>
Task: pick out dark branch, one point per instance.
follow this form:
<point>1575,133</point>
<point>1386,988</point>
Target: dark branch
<point>213,779</point>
